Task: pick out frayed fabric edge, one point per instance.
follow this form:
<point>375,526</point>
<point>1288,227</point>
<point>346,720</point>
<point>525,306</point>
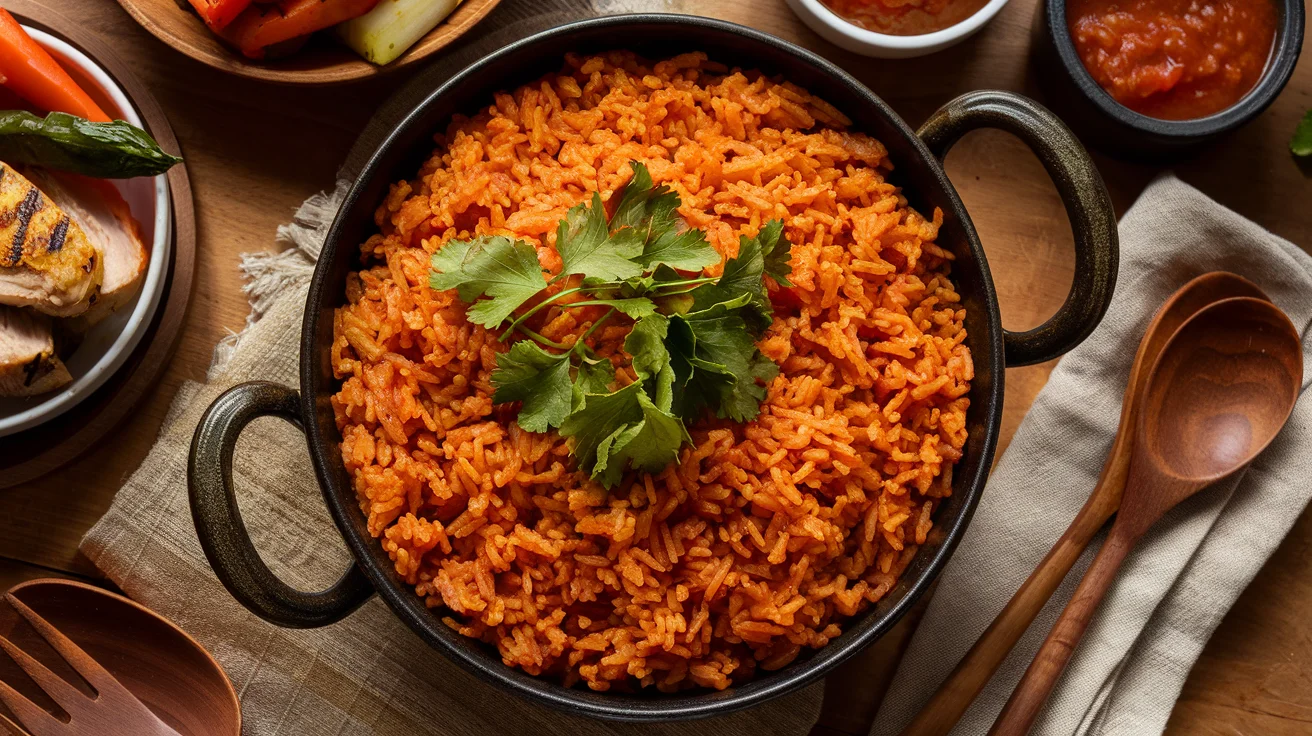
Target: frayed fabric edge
<point>270,275</point>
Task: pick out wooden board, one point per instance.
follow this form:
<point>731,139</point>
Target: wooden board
<point>37,451</point>
<point>255,151</point>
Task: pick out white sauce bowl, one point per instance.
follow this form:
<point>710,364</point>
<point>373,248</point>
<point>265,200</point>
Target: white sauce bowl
<point>858,40</point>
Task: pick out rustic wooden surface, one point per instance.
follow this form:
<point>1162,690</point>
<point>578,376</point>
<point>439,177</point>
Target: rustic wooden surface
<point>255,151</point>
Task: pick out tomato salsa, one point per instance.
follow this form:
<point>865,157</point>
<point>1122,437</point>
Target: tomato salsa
<point>904,17</point>
<point>1174,59</point>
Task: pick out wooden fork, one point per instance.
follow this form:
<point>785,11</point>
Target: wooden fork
<point>112,712</point>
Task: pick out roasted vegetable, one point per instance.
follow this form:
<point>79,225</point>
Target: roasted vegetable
<point>217,14</point>
<point>114,150</point>
<point>35,76</point>
<point>385,32</point>
<point>262,26</point>
<point>1301,145</point>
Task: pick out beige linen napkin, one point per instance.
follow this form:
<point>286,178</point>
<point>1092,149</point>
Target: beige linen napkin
<point>1188,571</point>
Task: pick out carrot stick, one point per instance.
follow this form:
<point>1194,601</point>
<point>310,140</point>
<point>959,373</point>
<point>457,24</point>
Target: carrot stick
<point>262,26</point>
<point>217,14</point>
<point>35,76</point>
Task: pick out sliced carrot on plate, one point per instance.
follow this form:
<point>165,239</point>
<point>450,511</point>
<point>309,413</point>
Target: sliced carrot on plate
<point>262,26</point>
<point>217,14</point>
<point>34,75</point>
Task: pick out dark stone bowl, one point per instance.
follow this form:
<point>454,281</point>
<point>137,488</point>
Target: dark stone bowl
<point>1105,124</point>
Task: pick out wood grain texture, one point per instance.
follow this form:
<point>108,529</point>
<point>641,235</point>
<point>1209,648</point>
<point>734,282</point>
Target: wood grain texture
<point>322,62</point>
<point>256,150</point>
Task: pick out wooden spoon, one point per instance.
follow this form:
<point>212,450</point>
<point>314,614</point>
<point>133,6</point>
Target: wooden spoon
<point>961,687</point>
<point>1221,390</point>
<point>156,661</point>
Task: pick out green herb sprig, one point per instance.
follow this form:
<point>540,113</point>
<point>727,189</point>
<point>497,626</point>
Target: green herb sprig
<point>693,341</point>
<point>115,150</point>
<point>1301,144</point>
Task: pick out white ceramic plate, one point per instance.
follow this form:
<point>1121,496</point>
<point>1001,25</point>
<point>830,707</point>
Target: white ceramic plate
<point>854,38</point>
<point>109,344</point>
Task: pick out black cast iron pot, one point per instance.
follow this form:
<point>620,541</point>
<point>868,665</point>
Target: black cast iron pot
<point>214,506</point>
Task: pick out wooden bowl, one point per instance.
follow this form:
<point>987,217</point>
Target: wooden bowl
<point>322,61</point>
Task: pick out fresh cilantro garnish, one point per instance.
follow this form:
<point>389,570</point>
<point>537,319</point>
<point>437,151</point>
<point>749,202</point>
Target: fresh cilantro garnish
<point>649,215</point>
<point>1301,145</point>
<point>505,270</point>
<point>539,379</point>
<point>692,345</point>
<point>756,257</point>
<point>716,362</point>
<point>586,247</point>
<point>776,258</point>
<point>593,376</point>
<point>612,430</point>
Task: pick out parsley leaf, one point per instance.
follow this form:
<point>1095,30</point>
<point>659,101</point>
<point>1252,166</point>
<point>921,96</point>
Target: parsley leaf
<point>647,214</point>
<point>651,360</point>
<point>742,275</point>
<point>687,250</point>
<point>598,418</point>
<point>776,258</point>
<point>634,308</point>
<point>644,205</point>
<point>594,377</point>
<point>716,362</point>
<point>646,344</point>
<point>493,266</point>
<point>649,444</point>
<point>1301,145</point>
<point>539,379</point>
<point>585,246</point>
<point>613,431</point>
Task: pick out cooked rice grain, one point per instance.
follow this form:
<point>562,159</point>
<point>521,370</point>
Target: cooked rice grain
<point>765,536</point>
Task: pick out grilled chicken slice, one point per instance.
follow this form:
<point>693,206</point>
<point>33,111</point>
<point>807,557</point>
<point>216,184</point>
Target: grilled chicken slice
<point>28,364</point>
<point>46,260</point>
<point>105,217</point>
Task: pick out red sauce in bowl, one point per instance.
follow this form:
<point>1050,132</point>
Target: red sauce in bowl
<point>1174,59</point>
<point>904,17</point>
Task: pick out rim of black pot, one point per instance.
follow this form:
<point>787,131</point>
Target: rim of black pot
<point>1285,50</point>
<point>473,656</point>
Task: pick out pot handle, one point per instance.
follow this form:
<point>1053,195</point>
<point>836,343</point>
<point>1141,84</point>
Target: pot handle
<point>1093,220</point>
<point>219,525</point>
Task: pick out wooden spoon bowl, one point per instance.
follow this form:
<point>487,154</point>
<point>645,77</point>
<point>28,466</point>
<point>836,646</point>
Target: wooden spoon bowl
<point>159,663</point>
<point>1216,399</point>
<point>321,62</point>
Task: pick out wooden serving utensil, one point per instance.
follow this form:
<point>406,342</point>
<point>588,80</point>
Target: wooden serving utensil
<point>1224,385</point>
<point>146,676</point>
<point>975,669</point>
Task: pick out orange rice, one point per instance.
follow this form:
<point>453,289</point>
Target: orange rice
<point>765,536</point>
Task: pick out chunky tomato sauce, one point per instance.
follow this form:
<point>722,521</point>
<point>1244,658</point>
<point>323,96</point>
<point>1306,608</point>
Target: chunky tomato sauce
<point>1174,59</point>
<point>904,17</point>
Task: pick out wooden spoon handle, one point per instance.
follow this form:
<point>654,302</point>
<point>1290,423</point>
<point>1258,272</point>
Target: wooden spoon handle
<point>1022,709</point>
<point>974,670</point>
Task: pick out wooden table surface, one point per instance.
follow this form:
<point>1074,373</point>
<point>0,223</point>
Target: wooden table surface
<point>255,151</point>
